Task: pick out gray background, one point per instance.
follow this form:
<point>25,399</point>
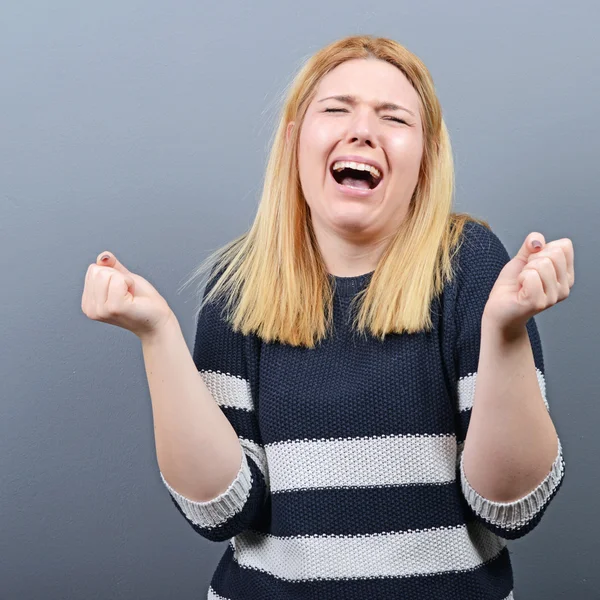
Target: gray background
<point>142,127</point>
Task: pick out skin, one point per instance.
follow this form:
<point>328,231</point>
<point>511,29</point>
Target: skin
<point>353,232</point>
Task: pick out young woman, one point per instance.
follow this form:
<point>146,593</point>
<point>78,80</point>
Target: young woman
<point>370,419</point>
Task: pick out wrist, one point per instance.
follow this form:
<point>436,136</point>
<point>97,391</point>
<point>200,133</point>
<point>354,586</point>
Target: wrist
<point>504,334</point>
<point>161,331</point>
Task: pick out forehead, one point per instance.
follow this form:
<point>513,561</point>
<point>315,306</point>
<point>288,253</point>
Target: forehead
<point>371,81</point>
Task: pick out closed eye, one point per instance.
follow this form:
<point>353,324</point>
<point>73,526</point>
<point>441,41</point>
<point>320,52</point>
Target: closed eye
<point>346,110</point>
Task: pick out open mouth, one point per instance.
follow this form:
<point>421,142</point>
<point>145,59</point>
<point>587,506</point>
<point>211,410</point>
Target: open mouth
<point>358,176</point>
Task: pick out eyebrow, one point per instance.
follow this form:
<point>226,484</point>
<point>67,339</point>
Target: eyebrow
<point>347,99</point>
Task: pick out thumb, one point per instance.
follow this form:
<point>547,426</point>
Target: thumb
<point>533,243</point>
<point>107,259</point>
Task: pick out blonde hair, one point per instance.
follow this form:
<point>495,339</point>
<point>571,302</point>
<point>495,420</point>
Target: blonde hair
<point>273,277</point>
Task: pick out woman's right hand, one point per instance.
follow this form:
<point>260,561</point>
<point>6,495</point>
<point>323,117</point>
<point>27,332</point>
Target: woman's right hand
<point>113,294</point>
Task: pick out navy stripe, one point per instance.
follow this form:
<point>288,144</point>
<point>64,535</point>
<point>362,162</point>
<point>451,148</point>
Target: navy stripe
<point>463,419</point>
<point>352,407</point>
<point>355,511</point>
<point>244,422</point>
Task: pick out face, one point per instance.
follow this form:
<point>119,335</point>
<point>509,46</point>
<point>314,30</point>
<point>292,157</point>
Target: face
<point>363,125</point>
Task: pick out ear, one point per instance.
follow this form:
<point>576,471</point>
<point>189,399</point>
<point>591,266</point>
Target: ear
<point>288,132</point>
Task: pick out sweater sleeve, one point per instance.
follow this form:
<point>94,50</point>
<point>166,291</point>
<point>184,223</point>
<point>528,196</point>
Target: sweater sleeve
<point>228,363</point>
<point>482,257</point>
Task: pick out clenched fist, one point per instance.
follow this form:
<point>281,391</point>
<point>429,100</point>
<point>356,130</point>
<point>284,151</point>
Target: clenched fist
<point>113,294</point>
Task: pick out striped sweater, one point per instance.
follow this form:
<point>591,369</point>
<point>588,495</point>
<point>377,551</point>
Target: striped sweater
<point>351,484</point>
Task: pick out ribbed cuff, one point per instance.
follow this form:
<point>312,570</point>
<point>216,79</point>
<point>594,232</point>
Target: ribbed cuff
<point>513,515</point>
<point>222,508</point>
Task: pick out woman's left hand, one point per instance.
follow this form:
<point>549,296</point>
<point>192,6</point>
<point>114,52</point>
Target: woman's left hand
<point>534,280</point>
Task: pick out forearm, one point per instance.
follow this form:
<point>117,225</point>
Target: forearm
<point>197,449</point>
<point>511,441</point>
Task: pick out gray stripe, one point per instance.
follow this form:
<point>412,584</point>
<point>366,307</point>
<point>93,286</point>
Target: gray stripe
<point>393,554</point>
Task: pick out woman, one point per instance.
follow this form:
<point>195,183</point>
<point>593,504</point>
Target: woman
<point>341,339</point>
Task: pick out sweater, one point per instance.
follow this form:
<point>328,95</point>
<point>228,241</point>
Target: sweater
<point>351,484</point>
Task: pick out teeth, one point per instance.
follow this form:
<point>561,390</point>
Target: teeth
<point>344,164</point>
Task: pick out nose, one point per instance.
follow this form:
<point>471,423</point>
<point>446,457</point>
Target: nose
<point>361,130</point>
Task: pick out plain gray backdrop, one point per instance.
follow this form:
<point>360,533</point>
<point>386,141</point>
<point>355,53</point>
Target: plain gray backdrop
<point>142,127</point>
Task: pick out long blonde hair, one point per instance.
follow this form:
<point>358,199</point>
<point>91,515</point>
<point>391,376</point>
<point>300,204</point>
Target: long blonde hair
<point>273,277</point>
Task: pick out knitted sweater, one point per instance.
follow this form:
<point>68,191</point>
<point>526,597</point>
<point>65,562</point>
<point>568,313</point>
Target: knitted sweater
<point>351,484</point>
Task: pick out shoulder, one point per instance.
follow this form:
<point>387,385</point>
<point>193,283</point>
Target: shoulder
<point>479,241</point>
<point>481,252</point>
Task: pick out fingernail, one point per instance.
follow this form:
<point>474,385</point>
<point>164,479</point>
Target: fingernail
<point>536,244</point>
<point>105,257</point>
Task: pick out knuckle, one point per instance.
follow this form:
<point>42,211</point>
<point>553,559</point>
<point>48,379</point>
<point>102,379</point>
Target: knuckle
<point>102,271</point>
<point>91,314</point>
<point>101,314</point>
<point>110,310</point>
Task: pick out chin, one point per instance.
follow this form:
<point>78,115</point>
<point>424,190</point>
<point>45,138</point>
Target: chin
<point>347,217</point>
<point>350,225</point>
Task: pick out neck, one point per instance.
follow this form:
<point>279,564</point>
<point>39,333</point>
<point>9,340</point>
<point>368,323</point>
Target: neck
<point>345,257</point>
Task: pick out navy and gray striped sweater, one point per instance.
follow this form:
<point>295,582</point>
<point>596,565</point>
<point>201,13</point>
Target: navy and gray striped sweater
<point>351,483</point>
